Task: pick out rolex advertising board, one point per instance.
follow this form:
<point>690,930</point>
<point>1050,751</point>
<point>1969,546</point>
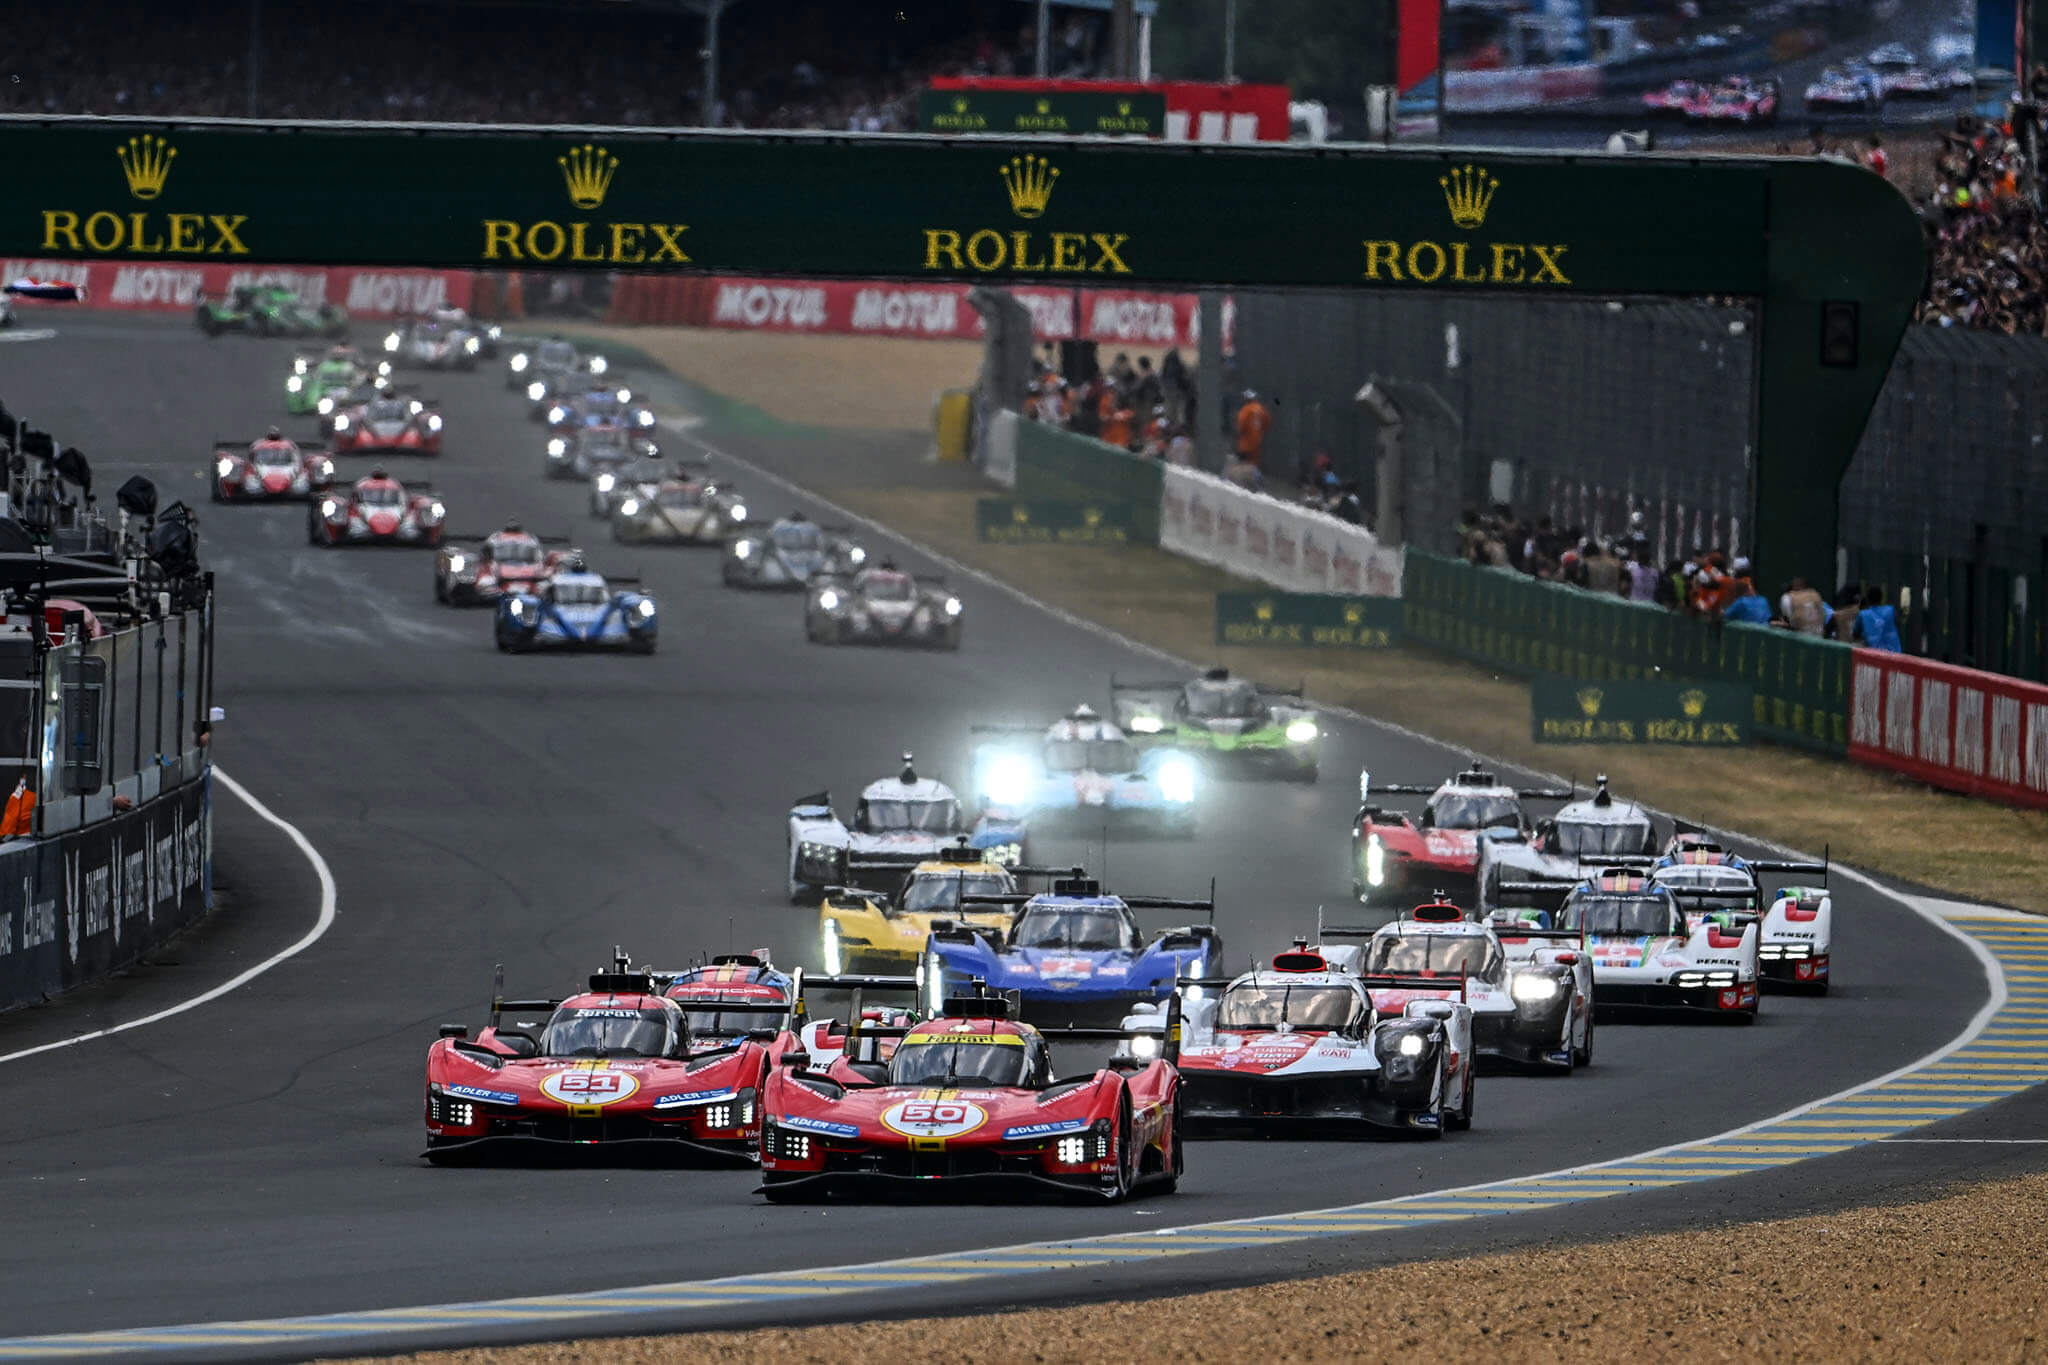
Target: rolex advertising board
<point>1052,521</point>
<point>1307,620</point>
<point>1614,711</point>
<point>1063,112</point>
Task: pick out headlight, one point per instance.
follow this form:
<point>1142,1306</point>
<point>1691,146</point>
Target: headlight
<point>1008,780</point>
<point>325,405</point>
<point>519,363</point>
<point>341,422</point>
<point>952,606</point>
<point>415,408</point>
<point>328,507</point>
<point>1194,995</point>
<point>833,961</point>
<point>494,331</point>
<point>455,563</point>
<point>630,507</point>
<point>856,555</point>
<point>1146,725</point>
<point>645,607</point>
<point>223,467</point>
<point>598,364</point>
<point>327,469</point>
<point>1073,1151</point>
<point>299,365</point>
<point>643,418</point>
<point>606,482</point>
<point>1177,781</point>
<point>472,345</point>
<point>829,600</point>
<point>536,391</point>
<point>433,421</point>
<point>1301,731</point>
<point>391,341</point>
<point>739,511</point>
<point>558,446</point>
<point>436,511</point>
<point>1144,1047</point>
<point>516,607</point>
<point>625,395</point>
<point>294,384</point>
<point>743,549</point>
<point>1531,988</point>
<point>1410,1045</point>
<point>556,414</point>
<point>1375,861</point>
<point>384,369</point>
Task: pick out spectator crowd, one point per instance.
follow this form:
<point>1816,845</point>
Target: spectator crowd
<point>1709,584</point>
<point>1989,244</point>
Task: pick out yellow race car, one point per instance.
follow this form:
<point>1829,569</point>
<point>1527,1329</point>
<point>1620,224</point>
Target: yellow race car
<point>869,930</point>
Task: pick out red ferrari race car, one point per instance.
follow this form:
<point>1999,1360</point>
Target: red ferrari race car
<point>270,470</point>
<point>387,424</point>
<point>475,571</point>
<point>614,1070</point>
<point>378,510</point>
<point>1739,101</point>
<point>969,1100</point>
<point>1674,100</point>
<point>1395,855</point>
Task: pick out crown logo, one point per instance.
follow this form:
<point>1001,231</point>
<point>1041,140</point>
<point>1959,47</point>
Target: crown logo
<point>1469,192</point>
<point>1589,701</point>
<point>587,170</point>
<point>1124,107</point>
<point>1019,513</point>
<point>1264,611</point>
<point>1353,613</point>
<point>1029,180</point>
<point>1091,516</point>
<point>1045,106</point>
<point>1692,701</point>
<point>960,104</point>
<point>146,161</point>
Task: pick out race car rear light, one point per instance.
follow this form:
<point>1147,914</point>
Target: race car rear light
<point>1785,952</point>
<point>1710,979</point>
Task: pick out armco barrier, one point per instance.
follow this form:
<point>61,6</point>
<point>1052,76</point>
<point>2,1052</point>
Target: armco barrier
<point>1061,465</point>
<point>1955,728</point>
<point>1504,620</point>
<point>77,906</point>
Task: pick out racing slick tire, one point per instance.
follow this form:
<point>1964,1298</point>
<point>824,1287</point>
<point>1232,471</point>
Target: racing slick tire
<point>440,590</point>
<point>1126,1154</point>
<point>215,491</point>
<point>1583,1055</point>
<point>1461,1121</point>
<point>1178,1165</point>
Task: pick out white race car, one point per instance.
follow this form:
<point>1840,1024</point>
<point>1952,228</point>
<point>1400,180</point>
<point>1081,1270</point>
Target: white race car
<point>1584,832</point>
<point>1796,930</point>
<point>1300,1047</point>
<point>1529,1009</point>
<point>1648,954</point>
<point>1798,938</point>
<point>901,821</point>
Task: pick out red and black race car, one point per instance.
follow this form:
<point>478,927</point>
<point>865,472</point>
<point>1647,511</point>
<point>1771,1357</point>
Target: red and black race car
<point>377,510</point>
<point>968,1100</point>
<point>389,423</point>
<point>475,571</point>
<point>614,1070</point>
<point>1738,100</point>
<point>1674,100</point>
<point>270,470</point>
<point>1399,856</point>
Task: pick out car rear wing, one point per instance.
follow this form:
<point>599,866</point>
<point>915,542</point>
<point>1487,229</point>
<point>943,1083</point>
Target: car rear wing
<point>1367,788</point>
<point>1544,887</point>
<point>1795,869</point>
<point>1299,691</point>
<point>1394,981</point>
<point>417,485</point>
<point>1530,931</point>
<point>220,445</point>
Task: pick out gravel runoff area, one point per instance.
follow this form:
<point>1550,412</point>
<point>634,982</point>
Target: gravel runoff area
<point>878,395</point>
<point>1949,1279</point>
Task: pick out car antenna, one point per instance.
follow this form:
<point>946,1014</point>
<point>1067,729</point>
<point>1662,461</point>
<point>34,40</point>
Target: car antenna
<point>497,993</point>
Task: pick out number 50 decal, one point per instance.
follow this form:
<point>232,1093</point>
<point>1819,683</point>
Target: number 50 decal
<point>589,1087</point>
<point>934,1118</point>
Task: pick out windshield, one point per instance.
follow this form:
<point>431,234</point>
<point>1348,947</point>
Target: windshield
<point>386,411</point>
<point>608,1032</point>
<point>893,587</point>
<point>799,538</point>
<point>1433,955</point>
<point>1587,840</point>
<point>381,495</point>
<point>559,355</point>
<point>275,452</point>
<point>1470,810</point>
<point>933,817</point>
<point>1097,755</point>
<point>1623,916</point>
<point>580,594</point>
<point>949,1064</point>
<point>1249,1008</point>
<point>681,495</point>
<point>515,552</point>
<point>1224,701</point>
<point>712,1018</point>
<point>1086,928</point>
<point>943,890</point>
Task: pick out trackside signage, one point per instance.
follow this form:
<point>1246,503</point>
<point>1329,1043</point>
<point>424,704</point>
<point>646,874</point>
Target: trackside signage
<point>1063,112</point>
<point>1047,521</point>
<point>1614,711</point>
<point>1957,728</point>
<point>1311,620</point>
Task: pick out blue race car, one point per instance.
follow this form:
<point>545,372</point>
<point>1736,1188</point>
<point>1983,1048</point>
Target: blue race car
<point>1082,773</point>
<point>577,609</point>
<point>1076,953</point>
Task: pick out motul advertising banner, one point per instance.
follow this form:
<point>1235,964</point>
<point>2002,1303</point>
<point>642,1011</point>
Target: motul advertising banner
<point>854,308</point>
<point>169,288</point>
<point>1955,728</point>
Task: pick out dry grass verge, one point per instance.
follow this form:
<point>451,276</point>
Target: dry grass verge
<point>1947,1279</point>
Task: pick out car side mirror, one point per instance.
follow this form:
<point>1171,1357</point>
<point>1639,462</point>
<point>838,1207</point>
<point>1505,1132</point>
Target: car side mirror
<point>454,1030</point>
<point>797,1059</point>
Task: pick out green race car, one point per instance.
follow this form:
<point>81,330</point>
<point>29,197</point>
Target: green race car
<point>1224,720</point>
<point>268,310</point>
<point>331,376</point>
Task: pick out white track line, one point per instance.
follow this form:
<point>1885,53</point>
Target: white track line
<point>312,936</point>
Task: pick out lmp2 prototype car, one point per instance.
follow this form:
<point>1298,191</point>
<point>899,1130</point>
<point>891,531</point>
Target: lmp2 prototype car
<point>387,424</point>
<point>616,1069</point>
<point>586,452</point>
<point>1231,724</point>
<point>1301,1047</point>
<point>869,931</point>
<point>789,554</point>
<point>642,477</point>
<point>1081,771</point>
<point>1595,830</point>
<point>433,343</point>
<point>1395,856</point>
<point>1077,953</point>
<point>268,310</point>
<point>319,376</point>
<point>1648,954</point>
<point>900,822</point>
<point>1531,1009</point>
<point>597,405</point>
<point>549,370</point>
<point>577,609</point>
<point>475,571</point>
<point>969,1099</point>
<point>1739,100</point>
<point>270,470</point>
<point>683,510</point>
<point>376,510</point>
<point>882,605</point>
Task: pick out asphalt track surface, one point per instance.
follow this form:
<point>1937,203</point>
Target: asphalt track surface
<point>259,1156</point>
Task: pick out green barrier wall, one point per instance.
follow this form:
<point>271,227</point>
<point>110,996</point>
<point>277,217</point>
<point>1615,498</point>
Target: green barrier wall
<point>1061,466</point>
<point>1800,685</point>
